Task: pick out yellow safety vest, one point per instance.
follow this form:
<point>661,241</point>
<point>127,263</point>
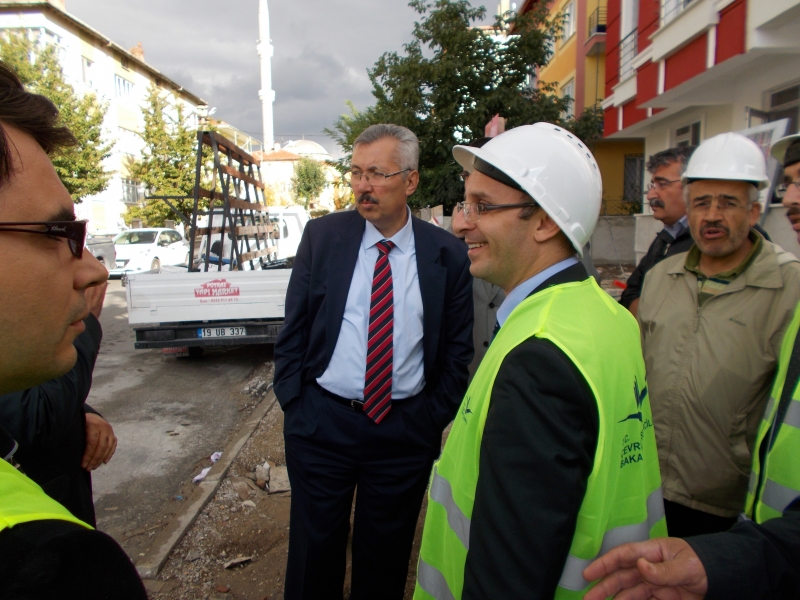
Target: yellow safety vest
<point>623,500</point>
<point>22,501</point>
<point>776,484</point>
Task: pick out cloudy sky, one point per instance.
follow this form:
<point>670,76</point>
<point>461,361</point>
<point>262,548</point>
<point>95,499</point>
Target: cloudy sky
<point>322,51</point>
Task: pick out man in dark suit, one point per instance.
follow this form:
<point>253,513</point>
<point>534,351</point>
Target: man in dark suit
<point>665,195</point>
<point>370,366</point>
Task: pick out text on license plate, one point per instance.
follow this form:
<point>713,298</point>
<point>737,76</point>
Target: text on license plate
<point>209,332</point>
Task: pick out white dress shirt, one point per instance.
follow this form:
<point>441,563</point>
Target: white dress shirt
<point>347,368</point>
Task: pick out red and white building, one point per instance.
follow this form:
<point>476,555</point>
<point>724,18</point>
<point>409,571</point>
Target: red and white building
<point>681,71</point>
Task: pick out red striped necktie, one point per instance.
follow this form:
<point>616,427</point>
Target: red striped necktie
<point>378,379</point>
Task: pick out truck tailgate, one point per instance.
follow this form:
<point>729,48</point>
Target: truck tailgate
<point>170,297</point>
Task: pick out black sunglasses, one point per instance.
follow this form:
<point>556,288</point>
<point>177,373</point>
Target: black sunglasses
<point>73,231</point>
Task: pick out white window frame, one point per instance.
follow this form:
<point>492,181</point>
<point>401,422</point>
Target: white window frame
<point>123,88</point>
<point>568,89</point>
<point>676,140</point>
<point>87,69</point>
<point>569,21</point>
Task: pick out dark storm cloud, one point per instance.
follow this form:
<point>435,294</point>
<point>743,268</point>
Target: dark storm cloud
<point>323,49</point>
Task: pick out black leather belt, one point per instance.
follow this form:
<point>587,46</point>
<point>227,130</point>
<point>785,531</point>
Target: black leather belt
<point>357,405</point>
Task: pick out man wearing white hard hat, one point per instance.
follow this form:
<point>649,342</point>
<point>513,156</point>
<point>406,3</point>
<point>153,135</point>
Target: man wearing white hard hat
<point>712,321</point>
<point>552,454</point>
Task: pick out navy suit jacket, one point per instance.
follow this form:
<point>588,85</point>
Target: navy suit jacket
<point>317,294</point>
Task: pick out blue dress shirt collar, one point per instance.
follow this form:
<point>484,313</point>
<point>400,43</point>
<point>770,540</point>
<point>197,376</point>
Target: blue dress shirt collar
<point>678,227</point>
<point>401,239</point>
<point>523,290</point>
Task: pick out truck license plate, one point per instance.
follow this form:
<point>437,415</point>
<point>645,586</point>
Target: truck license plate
<point>219,332</point>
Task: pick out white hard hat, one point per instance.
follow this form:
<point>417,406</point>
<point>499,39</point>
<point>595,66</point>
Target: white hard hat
<point>553,166</point>
<point>729,156</point>
<point>782,145</point>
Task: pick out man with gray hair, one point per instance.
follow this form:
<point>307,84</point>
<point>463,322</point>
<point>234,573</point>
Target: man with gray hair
<point>665,195</point>
<point>712,320</point>
<point>370,367</point>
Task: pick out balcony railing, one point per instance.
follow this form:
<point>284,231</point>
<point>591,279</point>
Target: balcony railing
<point>597,22</point>
<point>672,8</point>
<point>627,52</point>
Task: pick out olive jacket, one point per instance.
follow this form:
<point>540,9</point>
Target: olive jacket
<point>709,372</point>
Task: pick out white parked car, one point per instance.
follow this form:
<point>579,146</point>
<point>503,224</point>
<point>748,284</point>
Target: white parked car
<point>141,250</point>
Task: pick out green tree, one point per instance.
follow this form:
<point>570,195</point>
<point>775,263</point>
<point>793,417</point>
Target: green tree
<point>308,181</point>
<point>453,78</point>
<point>168,163</point>
<point>79,167</point>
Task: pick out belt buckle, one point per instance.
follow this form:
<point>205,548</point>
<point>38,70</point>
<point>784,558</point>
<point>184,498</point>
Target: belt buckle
<point>356,405</point>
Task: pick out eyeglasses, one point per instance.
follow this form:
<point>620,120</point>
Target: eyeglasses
<point>373,178</point>
<point>724,205</point>
<point>473,212</point>
<point>661,184</point>
<point>73,231</point>
<point>781,190</point>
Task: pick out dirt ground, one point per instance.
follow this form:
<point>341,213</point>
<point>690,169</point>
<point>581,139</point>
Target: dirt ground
<point>228,529</point>
<point>257,529</point>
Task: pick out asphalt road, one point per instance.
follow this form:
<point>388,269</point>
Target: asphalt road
<point>169,415</point>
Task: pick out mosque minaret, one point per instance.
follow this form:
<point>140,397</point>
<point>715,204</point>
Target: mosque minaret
<point>266,93</point>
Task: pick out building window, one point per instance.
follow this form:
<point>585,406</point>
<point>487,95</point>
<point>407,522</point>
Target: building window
<point>627,52</point>
<point>86,70</point>
<point>569,20</point>
<point>568,89</point>
<point>785,104</point>
<point>125,63</point>
<point>672,8</point>
<point>123,87</point>
<point>633,178</point>
<point>132,191</point>
<point>688,135</point>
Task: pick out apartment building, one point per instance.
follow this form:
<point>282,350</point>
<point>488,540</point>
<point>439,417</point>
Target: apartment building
<point>120,78</point>
<point>578,68</point>
<point>681,71</point>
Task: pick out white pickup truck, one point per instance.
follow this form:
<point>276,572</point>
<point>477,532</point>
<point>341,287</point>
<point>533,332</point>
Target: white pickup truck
<point>182,311</point>
<point>186,311</point>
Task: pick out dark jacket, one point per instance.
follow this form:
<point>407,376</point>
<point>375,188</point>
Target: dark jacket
<point>49,424</point>
<point>663,246</point>
<point>317,294</point>
<point>536,456</point>
<point>753,562</point>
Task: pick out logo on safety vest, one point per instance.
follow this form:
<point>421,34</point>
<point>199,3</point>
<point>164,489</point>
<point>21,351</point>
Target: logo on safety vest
<point>466,410</point>
<point>639,397</point>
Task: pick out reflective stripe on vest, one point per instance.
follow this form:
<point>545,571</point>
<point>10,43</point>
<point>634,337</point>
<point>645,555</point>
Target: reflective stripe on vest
<point>442,493</point>
<point>432,581</point>
<point>572,576</point>
<point>775,484</point>
<point>623,496</point>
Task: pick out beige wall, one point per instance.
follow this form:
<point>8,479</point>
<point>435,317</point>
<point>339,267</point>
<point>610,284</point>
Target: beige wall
<point>610,156</point>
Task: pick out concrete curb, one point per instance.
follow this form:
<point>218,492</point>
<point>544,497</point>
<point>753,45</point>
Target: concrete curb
<point>150,564</point>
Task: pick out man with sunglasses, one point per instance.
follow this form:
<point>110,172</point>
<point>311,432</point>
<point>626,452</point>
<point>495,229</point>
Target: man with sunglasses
<point>665,196</point>
<point>45,552</point>
<point>369,368</point>
<point>552,454</point>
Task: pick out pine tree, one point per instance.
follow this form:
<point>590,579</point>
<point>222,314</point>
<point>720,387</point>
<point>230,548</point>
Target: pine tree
<point>79,167</point>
